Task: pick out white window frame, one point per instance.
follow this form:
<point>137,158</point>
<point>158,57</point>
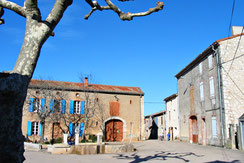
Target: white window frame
<point>210,61</point>
<point>200,67</point>
<point>211,87</point>
<point>36,105</point>
<point>77,107</point>
<point>35,128</point>
<point>201,91</point>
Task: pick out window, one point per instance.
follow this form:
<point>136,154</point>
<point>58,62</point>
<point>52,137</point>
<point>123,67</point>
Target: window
<point>34,128</point>
<point>169,116</point>
<point>210,61</point>
<point>76,107</point>
<point>214,127</point>
<point>57,106</point>
<point>200,68</point>
<point>36,104</point>
<point>211,87</point>
<point>201,92</point>
<point>76,128</point>
<point>130,101</point>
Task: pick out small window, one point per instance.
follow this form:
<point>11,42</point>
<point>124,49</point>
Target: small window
<point>77,95</point>
<point>169,115</point>
<point>200,68</point>
<point>36,104</point>
<point>76,107</point>
<point>210,61</point>
<point>34,128</point>
<point>97,99</point>
<point>130,101</point>
<point>201,92</point>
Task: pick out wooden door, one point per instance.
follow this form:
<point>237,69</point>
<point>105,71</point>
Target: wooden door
<point>194,131</point>
<point>114,130</point>
<point>56,132</point>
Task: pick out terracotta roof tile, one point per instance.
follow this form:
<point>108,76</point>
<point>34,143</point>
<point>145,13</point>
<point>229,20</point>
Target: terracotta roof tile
<point>80,87</point>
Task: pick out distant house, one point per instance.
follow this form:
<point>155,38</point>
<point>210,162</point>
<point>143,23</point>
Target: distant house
<point>121,117</point>
<point>211,94</point>
<point>155,125</point>
<point>172,116</point>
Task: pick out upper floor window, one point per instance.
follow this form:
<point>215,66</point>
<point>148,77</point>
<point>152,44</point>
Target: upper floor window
<point>201,92</point>
<point>211,86</point>
<point>76,107</point>
<point>210,61</point>
<point>57,106</point>
<point>36,104</point>
<point>200,68</point>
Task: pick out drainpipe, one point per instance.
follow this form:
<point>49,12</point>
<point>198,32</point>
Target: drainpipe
<point>220,94</point>
<point>140,119</point>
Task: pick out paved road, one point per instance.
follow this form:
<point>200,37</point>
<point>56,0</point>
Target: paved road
<point>149,151</point>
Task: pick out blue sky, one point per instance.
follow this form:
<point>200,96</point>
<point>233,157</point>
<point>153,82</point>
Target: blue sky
<point>146,52</point>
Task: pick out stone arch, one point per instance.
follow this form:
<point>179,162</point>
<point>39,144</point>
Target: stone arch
<point>115,118</point>
<point>193,135</point>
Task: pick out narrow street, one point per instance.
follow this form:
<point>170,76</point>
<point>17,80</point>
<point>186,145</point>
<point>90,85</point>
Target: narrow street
<point>149,151</point>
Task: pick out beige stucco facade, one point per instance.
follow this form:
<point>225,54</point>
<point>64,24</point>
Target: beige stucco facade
<point>172,116</point>
<point>129,113</point>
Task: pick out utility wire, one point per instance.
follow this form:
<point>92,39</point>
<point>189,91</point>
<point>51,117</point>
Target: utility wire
<point>233,81</point>
<point>232,13</point>
<point>235,51</point>
<point>230,24</point>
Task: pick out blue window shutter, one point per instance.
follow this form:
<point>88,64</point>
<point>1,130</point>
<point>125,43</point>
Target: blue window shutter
<point>40,129</point>
<point>31,104</point>
<point>82,107</point>
<point>43,104</point>
<point>29,128</point>
<point>81,128</point>
<point>62,106</point>
<point>70,129</point>
<point>52,105</point>
<point>71,111</point>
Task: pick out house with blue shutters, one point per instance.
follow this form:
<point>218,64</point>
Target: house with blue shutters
<point>53,108</point>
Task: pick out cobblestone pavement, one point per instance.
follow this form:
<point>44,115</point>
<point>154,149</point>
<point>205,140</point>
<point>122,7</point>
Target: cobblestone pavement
<point>149,151</point>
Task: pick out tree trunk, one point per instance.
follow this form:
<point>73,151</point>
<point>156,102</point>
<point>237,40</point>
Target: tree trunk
<point>42,132</point>
<point>13,89</point>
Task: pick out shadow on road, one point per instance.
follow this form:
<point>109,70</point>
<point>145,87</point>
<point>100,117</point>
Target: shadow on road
<point>217,161</point>
<point>159,156</point>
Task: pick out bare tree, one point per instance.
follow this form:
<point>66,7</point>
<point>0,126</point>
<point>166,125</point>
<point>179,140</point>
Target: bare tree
<point>14,84</point>
<point>45,101</point>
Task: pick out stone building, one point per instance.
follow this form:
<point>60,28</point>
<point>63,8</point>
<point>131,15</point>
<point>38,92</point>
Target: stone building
<point>210,92</point>
<point>155,126</point>
<point>73,108</point>
<point>172,116</point>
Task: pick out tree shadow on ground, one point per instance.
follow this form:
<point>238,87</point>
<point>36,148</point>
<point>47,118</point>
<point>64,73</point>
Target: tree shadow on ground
<point>158,156</point>
<point>218,161</point>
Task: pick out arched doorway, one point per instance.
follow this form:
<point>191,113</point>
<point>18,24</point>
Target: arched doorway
<point>193,129</point>
<point>114,130</point>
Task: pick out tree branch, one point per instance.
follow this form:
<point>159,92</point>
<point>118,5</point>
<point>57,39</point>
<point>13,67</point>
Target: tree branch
<point>11,6</point>
<point>123,16</point>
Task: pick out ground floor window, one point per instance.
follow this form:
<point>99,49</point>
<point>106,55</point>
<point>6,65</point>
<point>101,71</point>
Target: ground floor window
<point>34,128</point>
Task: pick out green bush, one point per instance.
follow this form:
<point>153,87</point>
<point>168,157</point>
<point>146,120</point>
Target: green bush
<point>93,138</point>
<point>58,140</point>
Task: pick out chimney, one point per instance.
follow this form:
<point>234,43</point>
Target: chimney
<point>86,81</point>
<point>235,30</point>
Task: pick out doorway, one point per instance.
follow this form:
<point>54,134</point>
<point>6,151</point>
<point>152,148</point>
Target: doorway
<point>114,130</point>
<point>193,129</point>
